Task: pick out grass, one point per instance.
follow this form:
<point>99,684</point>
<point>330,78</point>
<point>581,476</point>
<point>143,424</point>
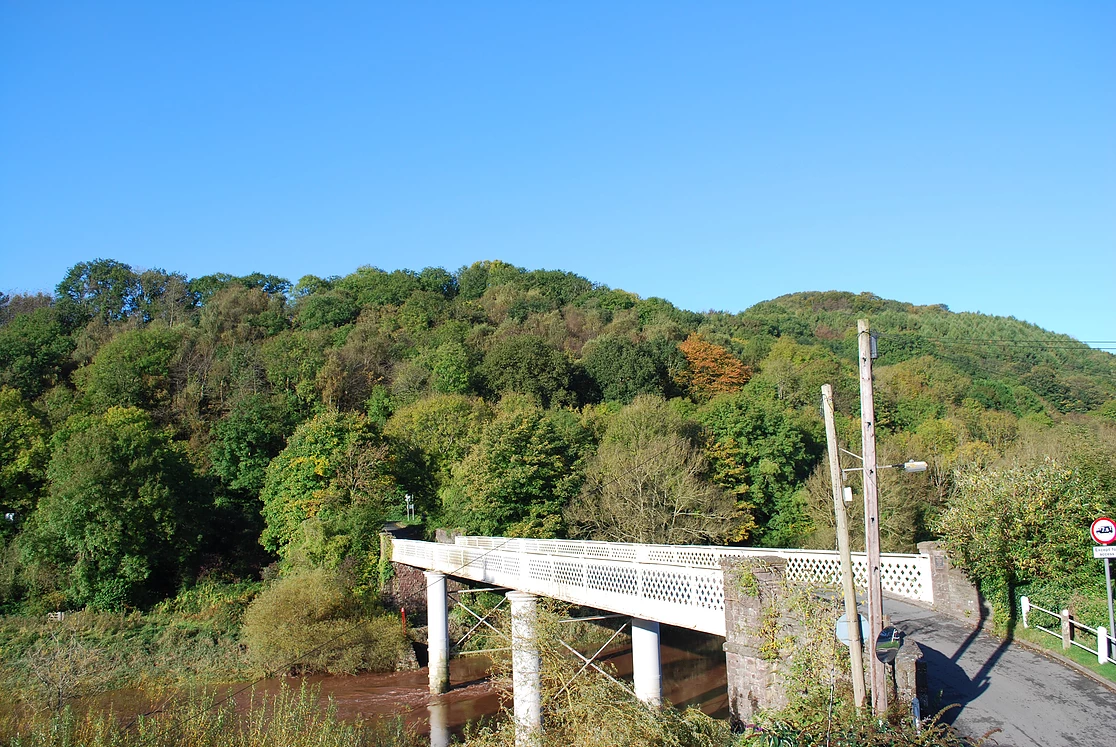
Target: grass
<point>1046,641</point>
<point>194,637</point>
<point>287,719</point>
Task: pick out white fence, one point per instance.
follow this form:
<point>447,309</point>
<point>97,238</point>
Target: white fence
<point>678,585</point>
<point>1067,626</point>
<point>902,575</point>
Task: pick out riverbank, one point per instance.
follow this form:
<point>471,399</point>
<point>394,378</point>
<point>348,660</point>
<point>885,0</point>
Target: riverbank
<point>193,638</point>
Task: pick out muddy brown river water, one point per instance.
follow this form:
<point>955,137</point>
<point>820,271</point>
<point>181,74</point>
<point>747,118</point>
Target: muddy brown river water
<point>693,675</point>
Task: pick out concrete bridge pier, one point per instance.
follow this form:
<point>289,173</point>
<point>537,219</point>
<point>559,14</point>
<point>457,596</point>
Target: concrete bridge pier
<point>437,631</point>
<point>646,665</point>
<point>439,723</point>
<point>526,665</point>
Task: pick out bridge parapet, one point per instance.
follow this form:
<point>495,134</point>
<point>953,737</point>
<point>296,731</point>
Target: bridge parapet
<point>680,585</point>
<point>686,597</point>
<point>903,574</point>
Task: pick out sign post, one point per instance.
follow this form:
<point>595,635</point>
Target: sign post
<point>1103,532</point>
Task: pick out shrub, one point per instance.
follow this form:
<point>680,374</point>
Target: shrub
<point>311,621</point>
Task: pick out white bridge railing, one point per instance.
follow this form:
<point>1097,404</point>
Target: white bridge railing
<point>678,585</point>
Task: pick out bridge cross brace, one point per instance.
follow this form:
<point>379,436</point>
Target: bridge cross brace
<point>480,621</point>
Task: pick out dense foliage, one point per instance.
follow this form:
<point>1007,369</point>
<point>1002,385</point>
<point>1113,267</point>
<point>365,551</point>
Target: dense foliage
<point>154,427</point>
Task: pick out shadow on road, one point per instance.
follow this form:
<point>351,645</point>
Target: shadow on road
<point>949,684</point>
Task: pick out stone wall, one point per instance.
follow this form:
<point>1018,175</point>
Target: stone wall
<point>757,679</point>
<point>407,587</point>
<point>954,594</point>
<point>754,682</point>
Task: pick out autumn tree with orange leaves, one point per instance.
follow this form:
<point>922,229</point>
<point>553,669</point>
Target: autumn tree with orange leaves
<point>711,369</point>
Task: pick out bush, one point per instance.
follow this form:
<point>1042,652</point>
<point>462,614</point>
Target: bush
<point>311,621</point>
<point>1012,528</point>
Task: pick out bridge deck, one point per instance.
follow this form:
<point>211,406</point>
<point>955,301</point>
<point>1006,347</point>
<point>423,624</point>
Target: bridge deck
<point>679,585</point>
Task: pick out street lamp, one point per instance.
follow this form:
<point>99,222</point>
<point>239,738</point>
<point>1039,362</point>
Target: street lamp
<point>908,466</point>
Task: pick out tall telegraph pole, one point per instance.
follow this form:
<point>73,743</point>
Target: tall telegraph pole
<point>852,614</point>
<point>877,671</point>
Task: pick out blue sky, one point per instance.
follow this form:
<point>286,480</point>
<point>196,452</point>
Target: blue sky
<point>714,154</point>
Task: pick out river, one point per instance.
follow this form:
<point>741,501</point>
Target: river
<point>693,667</point>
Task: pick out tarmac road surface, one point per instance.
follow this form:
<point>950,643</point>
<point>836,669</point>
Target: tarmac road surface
<point>1034,701</point>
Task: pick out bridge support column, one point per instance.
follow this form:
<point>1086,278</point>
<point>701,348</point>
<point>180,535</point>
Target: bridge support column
<point>439,723</point>
<point>526,685</point>
<point>437,631</point>
<point>647,667</point>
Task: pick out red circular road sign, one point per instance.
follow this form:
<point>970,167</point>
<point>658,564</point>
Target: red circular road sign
<point>1103,531</point>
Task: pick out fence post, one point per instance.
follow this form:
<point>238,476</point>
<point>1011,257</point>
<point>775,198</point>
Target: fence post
<point>1102,645</point>
<point>1026,603</point>
<point>1067,631</point>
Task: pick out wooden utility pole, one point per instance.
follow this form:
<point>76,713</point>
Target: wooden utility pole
<point>856,650</point>
<point>876,668</point>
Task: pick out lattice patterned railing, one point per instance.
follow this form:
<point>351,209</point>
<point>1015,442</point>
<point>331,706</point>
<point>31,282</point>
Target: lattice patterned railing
<point>901,574</point>
<point>675,584</point>
<point>687,597</point>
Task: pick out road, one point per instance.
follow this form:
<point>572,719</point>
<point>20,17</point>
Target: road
<point>1033,700</point>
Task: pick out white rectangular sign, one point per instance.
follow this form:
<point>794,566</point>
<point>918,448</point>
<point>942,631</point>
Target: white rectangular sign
<point>1104,551</point>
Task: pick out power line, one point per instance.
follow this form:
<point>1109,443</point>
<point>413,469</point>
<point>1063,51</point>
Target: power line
<point>1084,345</point>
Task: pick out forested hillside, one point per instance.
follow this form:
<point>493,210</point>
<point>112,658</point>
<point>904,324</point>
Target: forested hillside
<point>155,428</point>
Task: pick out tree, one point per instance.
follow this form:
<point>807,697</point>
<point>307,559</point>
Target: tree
<point>325,494</point>
<point>526,364</point>
<point>34,352</point>
<point>205,287</point>
<point>517,478</point>
<point>292,360</point>
<point>329,308</point>
<point>776,449</point>
<point>132,370</point>
<point>247,439</point>
<point>649,483</point>
<point>120,518</point>
<point>623,369</point>
<point>23,458</point>
<point>1023,525</point>
<point>103,289</point>
<point>165,296</point>
<point>450,368</point>
<point>711,369</point>
<point>440,430</point>
<point>371,286</point>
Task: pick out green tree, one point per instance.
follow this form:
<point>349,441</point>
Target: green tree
<point>207,286</point>
<point>34,352</point>
<point>102,289</point>
<point>292,360</point>
<point>371,286</point>
<point>776,449</point>
<point>1022,525</point>
<point>526,364</point>
<point>649,482</point>
<point>164,296</point>
<point>119,521</point>
<point>439,430</point>
<point>450,368</point>
<point>623,369</point>
<point>330,308</point>
<point>325,494</point>
<point>517,479</point>
<point>23,458</point>
<point>246,440</point>
<point>132,370</point>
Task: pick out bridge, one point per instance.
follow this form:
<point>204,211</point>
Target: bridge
<point>680,585</point>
